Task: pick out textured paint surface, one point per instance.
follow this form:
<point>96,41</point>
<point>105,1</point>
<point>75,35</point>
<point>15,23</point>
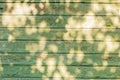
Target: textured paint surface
<point>59,39</point>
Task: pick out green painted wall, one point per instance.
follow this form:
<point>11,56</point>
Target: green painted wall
<point>59,39</point>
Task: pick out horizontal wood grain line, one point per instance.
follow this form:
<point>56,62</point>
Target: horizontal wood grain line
<point>92,40</point>
<point>35,15</point>
<point>51,78</point>
<point>47,14</point>
<point>38,78</point>
<point>88,60</point>
<point>37,53</point>
<point>75,71</point>
<point>59,46</point>
<point>59,28</point>
<point>58,65</point>
<point>62,2</point>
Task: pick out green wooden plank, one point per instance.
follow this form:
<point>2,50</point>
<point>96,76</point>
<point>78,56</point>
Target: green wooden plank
<point>105,1</point>
<point>70,72</point>
<point>35,33</point>
<point>59,46</point>
<point>64,22</point>
<point>61,59</point>
<point>60,9</point>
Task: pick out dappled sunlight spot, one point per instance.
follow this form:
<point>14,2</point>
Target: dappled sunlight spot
<point>99,22</point>
<point>43,55</point>
<point>59,19</point>
<point>115,21</point>
<point>11,38</point>
<point>72,23</point>
<point>99,68</point>
<point>111,9</point>
<point>79,56</point>
<point>42,45</point>
<point>33,9</point>
<point>109,38</point>
<point>39,61</point>
<point>31,47</point>
<point>27,58</point>
<point>102,67</point>
<point>44,0</point>
<point>16,33</point>
<point>119,54</point>
<point>89,61</point>
<point>46,30</point>
<point>100,36</point>
<point>113,70</point>
<point>79,36</point>
<point>21,8</point>
<point>13,21</point>
<point>101,46</point>
<point>41,38</point>
<point>67,5</point>
<point>51,63</point>
<point>30,30</point>
<point>62,60</point>
<point>9,6</point>
<point>89,22</point>
<point>1,67</point>
<point>67,36</point>
<point>45,77</point>
<point>96,8</point>
<point>6,54</point>
<point>109,29</point>
<point>78,71</point>
<point>41,6</point>
<point>67,75</point>
<point>72,51</point>
<point>17,0</point>
<point>39,64</point>
<point>105,56</point>
<point>70,56</point>
<point>88,35</point>
<point>43,27</point>
<point>33,68</point>
<point>105,63</point>
<point>57,76</point>
<point>111,46</point>
<point>72,33</point>
<point>53,48</point>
